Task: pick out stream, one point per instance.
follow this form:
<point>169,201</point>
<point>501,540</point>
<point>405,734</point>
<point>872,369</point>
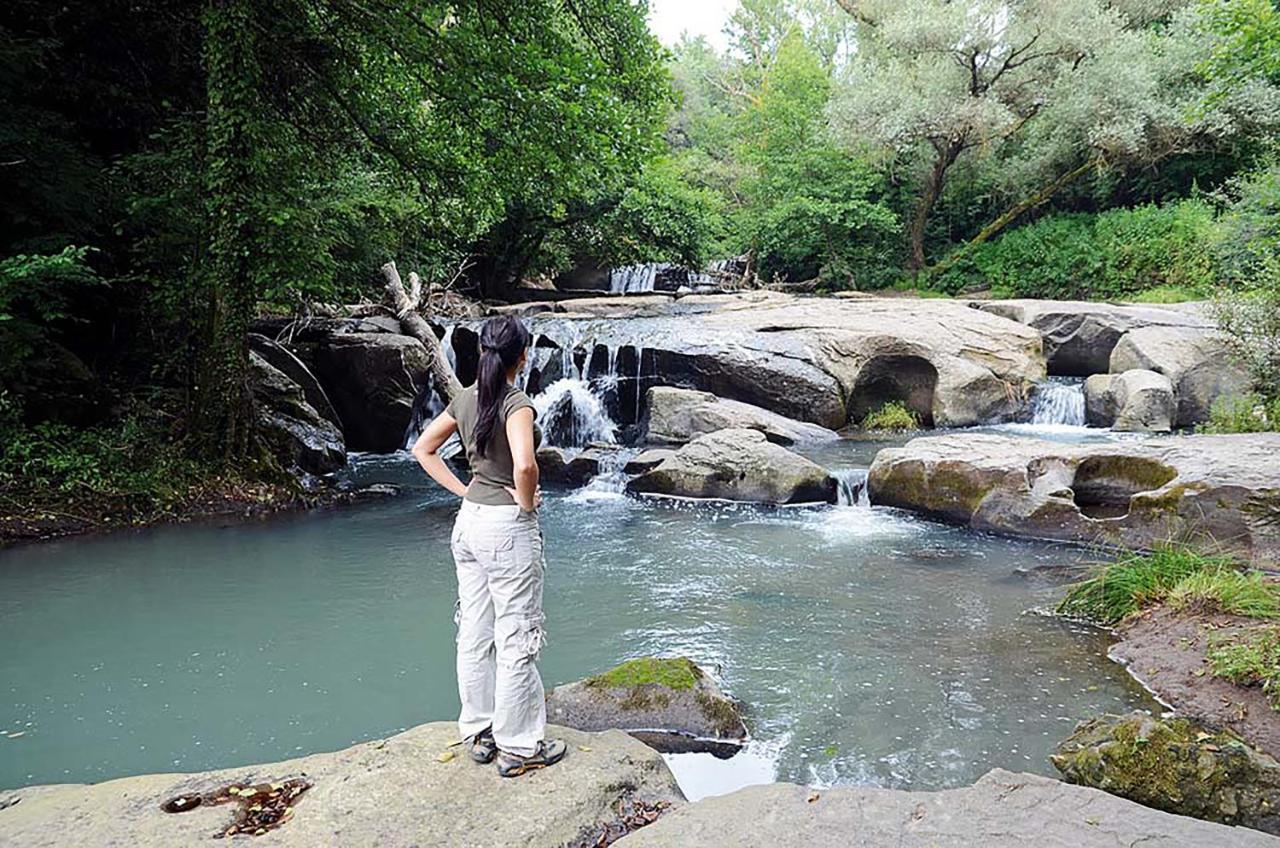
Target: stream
<point>871,646</point>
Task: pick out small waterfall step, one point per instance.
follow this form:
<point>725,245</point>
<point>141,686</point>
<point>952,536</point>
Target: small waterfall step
<point>851,487</point>
<point>1059,400</point>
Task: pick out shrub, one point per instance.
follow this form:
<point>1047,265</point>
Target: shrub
<point>893,416</point>
<point>1112,255</point>
<point>1247,413</point>
<point>1180,575</point>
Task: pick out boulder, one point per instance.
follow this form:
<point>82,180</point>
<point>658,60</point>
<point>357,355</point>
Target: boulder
<point>677,416</point>
<point>372,379</point>
<point>738,465</point>
<point>284,360</point>
<point>1174,765</point>
<point>1079,336</point>
<point>571,466</point>
<point>1135,401</point>
<point>1195,361</point>
<point>1218,492</point>
<point>1002,810</point>
<point>412,789</point>
<point>302,438</point>
<point>822,360</point>
<point>669,703</point>
<point>647,460</point>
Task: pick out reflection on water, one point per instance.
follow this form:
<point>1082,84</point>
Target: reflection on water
<point>870,646</point>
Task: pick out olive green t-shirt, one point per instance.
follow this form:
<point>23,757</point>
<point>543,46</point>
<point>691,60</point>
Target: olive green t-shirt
<point>493,471</point>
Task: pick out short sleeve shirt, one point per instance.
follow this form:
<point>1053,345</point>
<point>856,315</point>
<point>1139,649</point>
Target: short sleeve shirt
<point>492,472</point>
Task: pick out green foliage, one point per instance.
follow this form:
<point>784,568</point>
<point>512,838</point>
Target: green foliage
<point>1244,39</point>
<point>1250,658</point>
<point>1176,574</point>
<point>1248,413</point>
<point>35,292</point>
<point>1112,255</point>
<point>894,416</point>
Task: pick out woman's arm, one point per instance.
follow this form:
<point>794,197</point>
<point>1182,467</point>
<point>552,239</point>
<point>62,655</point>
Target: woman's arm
<point>425,451</point>
<point>524,460</point>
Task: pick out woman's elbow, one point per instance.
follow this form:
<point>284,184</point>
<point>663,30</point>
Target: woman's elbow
<point>525,468</point>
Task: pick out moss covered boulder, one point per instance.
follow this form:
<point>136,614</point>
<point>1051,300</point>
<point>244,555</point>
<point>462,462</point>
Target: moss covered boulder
<point>1174,765</point>
<point>669,703</point>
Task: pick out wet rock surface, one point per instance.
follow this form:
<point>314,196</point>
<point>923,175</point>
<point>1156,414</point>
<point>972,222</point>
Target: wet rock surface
<point>302,438</point>
<point>1174,765</point>
<point>675,701</point>
<point>1002,810</point>
<point>738,465</point>
<point>1217,492</point>
<point>395,792</point>
<point>372,379</point>
<point>677,416</point>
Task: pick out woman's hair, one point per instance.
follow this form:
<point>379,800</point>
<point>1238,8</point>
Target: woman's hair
<point>502,340</point>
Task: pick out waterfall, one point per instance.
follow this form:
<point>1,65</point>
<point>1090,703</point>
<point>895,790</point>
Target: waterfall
<point>572,416</point>
<point>631,279</point>
<point>852,487</point>
<point>1059,400</point>
<point>446,344</point>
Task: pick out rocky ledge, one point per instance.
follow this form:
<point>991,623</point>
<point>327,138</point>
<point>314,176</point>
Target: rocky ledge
<point>1001,810</point>
<point>409,790</point>
<point>1218,492</point>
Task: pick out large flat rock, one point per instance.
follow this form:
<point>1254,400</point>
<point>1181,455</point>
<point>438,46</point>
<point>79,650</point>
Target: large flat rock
<point>1220,492</point>
<point>1001,810</point>
<point>822,360</point>
<point>393,792</point>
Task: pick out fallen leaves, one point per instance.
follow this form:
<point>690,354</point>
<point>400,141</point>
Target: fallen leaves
<point>446,756</point>
<point>262,806</point>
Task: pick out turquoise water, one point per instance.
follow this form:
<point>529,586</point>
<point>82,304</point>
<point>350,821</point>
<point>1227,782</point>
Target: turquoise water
<point>872,647</point>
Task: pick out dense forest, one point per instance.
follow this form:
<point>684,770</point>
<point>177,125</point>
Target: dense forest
<point>171,168</point>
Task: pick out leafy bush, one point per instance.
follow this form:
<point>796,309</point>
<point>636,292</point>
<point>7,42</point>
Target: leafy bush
<point>1177,574</point>
<point>893,416</point>
<point>1112,255</point>
<point>1249,413</point>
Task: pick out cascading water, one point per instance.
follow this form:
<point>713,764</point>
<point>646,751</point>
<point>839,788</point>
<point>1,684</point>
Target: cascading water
<point>851,487</point>
<point>633,279</point>
<point>1059,400</point>
<point>572,416</point>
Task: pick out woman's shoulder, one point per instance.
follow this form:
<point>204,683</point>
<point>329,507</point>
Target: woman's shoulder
<point>516,399</point>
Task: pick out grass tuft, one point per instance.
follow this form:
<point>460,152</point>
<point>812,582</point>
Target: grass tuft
<point>1251,658</point>
<point>893,416</point>
<point>1176,574</point>
<point>671,672</point>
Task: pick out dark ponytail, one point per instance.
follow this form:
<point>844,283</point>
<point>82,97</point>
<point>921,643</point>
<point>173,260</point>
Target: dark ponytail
<point>502,340</point>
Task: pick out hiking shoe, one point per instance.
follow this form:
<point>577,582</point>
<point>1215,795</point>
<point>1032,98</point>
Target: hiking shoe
<point>549,752</point>
<point>483,746</point>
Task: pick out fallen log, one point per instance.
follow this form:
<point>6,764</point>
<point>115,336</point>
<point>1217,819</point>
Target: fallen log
<point>405,305</point>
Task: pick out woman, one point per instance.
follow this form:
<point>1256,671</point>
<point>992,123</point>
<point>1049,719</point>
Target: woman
<point>497,548</point>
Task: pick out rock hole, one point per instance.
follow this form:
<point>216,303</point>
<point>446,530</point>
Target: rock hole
<point>910,380</point>
<point>1104,485</point>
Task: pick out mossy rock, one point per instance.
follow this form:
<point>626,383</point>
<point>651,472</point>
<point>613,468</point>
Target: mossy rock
<point>1174,765</point>
<point>654,697</point>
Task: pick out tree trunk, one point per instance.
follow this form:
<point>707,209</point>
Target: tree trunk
<point>929,195</point>
<point>406,305</point>
<point>223,415</point>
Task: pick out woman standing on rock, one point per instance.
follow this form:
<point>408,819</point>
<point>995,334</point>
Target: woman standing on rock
<point>497,548</point>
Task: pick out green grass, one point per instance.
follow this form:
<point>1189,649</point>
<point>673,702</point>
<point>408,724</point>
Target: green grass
<point>1167,294</point>
<point>672,672</point>
<point>1250,658</point>
<point>1175,574</point>
<point>893,416</point>
<point>1247,413</point>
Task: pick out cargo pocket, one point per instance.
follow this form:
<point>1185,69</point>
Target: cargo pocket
<point>457,620</point>
<point>533,636</point>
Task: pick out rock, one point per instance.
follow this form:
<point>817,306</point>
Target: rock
<point>738,465</point>
<point>647,460</point>
<point>394,793</point>
<point>570,466</point>
<point>372,379</point>
<point>302,438</point>
<point>282,359</point>
<point>677,416</point>
<point>1219,492</point>
<point>670,704</point>
<point>521,310</point>
<point>1135,401</point>
<point>1174,765</point>
<point>1079,336</point>
<point>617,307</point>
<point>1195,361</point>
<point>823,360</point>
<point>1001,810</point>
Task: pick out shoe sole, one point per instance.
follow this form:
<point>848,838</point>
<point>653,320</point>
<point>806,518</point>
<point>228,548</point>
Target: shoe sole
<point>528,767</point>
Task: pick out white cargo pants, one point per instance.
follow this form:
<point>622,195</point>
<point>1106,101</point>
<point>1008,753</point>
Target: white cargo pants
<point>498,554</point>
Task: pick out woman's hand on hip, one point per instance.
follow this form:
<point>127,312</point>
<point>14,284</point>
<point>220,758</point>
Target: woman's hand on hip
<point>515,496</point>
